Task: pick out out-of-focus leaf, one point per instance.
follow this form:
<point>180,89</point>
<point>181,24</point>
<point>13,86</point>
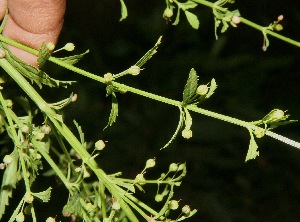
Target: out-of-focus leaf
<point>124,12</point>
<point>177,17</point>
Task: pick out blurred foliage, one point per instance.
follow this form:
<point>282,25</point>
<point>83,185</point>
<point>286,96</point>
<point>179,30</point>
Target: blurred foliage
<point>251,83</point>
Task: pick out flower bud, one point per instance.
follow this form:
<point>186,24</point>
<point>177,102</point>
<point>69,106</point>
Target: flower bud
<point>134,70</point>
<point>50,46</point>
<point>78,169</point>
<point>25,129</point>
<point>259,132</point>
<point>7,159</point>
<point>99,145</point>
<point>173,204</point>
<point>236,19</point>
<point>74,97</point>
<point>159,197</point>
<point>168,13</point>
<point>2,166</point>
<point>186,209</point>
<point>46,129</point>
<point>50,219</point>
<point>69,47</point>
<point>277,114</point>
<point>202,90</point>
<point>108,77</point>
<point>150,163</point>
<point>278,27</point>
<point>173,167</point>
<point>280,17</point>
<point>187,133</point>
<point>116,206</point>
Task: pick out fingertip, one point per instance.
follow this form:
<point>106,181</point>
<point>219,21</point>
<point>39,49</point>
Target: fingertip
<point>3,6</point>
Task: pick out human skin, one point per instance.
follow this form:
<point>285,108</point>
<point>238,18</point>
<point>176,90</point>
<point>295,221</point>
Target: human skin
<point>32,22</point>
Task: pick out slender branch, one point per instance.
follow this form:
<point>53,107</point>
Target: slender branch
<point>249,23</point>
<point>140,92</point>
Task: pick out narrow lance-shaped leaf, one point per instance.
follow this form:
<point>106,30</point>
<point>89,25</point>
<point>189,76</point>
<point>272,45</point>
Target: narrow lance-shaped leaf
<point>43,56</point>
<point>32,73</point>
<point>74,58</point>
<point>190,87</point>
<point>81,133</point>
<point>179,126</point>
<point>177,17</point>
<point>9,181</point>
<point>188,119</point>
<point>124,12</point>
<point>149,54</point>
<point>114,111</point>
<point>252,151</point>
<point>213,86</point>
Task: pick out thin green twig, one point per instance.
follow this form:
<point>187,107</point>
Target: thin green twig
<point>249,23</point>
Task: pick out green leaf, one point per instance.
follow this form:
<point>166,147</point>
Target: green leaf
<point>188,119</point>
<point>43,55</point>
<point>81,134</point>
<point>276,124</point>
<point>192,19</point>
<point>187,5</point>
<point>177,17</point>
<point>73,59</point>
<point>44,195</point>
<point>213,86</point>
<point>9,181</point>
<point>225,26</point>
<point>124,12</point>
<point>187,216</point>
<point>34,74</point>
<point>179,126</point>
<point>73,206</point>
<point>190,87</point>
<point>266,41</point>
<point>63,103</point>
<point>149,54</point>
<point>114,111</point>
<point>252,151</point>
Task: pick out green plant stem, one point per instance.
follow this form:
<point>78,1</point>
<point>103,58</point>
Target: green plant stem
<point>68,135</point>
<point>249,23</point>
<point>270,32</point>
<point>52,164</point>
<point>143,93</point>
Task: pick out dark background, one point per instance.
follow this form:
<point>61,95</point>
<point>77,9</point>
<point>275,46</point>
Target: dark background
<point>251,83</point>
